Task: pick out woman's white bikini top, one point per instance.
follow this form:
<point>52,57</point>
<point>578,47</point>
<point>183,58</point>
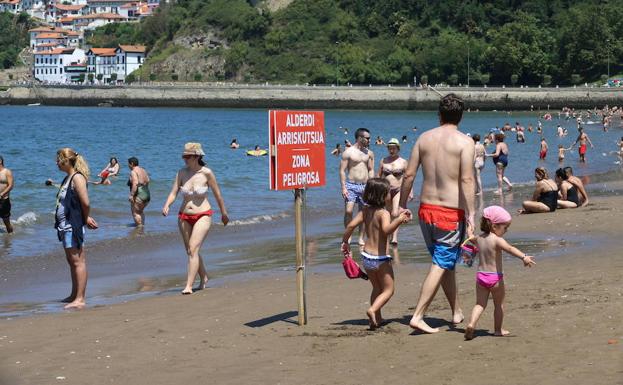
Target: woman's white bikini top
<point>195,192</point>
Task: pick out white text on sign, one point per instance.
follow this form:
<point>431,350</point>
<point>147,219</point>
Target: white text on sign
<point>302,137</point>
<point>299,161</point>
<point>300,120</point>
<point>300,178</point>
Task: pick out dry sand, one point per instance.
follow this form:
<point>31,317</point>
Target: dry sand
<point>564,315</point>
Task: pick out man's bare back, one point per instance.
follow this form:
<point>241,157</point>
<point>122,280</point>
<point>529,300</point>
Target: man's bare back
<point>445,155</point>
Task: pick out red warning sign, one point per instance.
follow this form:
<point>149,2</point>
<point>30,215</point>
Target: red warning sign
<point>297,149</point>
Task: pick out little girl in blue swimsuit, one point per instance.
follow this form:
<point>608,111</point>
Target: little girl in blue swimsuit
<point>490,276</point>
<point>374,255</point>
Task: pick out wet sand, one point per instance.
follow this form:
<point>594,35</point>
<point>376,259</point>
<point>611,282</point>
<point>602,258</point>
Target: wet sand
<point>564,316</point>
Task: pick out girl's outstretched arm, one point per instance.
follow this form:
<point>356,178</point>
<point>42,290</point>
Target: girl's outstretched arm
<point>512,250</point>
<point>388,226</point>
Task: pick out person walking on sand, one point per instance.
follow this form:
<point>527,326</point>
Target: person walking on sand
<point>490,276</point>
<point>392,168</point>
<point>447,203</point>
<point>358,162</point>
<point>582,139</point>
<point>500,159</point>
<point>374,256</point>
<point>72,215</point>
<point>6,185</point>
<point>139,191</point>
<point>195,214</point>
<point>543,149</point>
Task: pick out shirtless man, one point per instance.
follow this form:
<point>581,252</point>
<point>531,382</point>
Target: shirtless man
<point>6,185</point>
<point>582,139</point>
<point>446,203</point>
<point>544,148</point>
<point>358,161</point>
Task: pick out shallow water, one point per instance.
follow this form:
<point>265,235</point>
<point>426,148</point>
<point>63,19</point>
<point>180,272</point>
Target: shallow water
<point>31,136</point>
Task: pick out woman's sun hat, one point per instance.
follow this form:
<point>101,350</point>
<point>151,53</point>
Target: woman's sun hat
<point>393,142</point>
<point>193,149</point>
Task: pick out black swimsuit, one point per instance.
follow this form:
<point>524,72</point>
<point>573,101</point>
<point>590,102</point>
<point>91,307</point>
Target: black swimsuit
<point>549,198</point>
<point>572,195</point>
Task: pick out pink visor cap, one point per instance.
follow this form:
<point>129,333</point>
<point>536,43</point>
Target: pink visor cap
<point>496,214</point>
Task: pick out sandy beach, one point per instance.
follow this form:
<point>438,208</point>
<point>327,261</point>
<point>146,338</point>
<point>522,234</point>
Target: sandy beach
<point>564,316</point>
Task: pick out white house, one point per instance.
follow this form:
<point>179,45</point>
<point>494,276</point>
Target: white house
<point>52,66</point>
<point>12,6</point>
<point>128,58</point>
<point>63,10</point>
<point>106,6</point>
<point>94,20</point>
<point>101,61</point>
<point>34,32</point>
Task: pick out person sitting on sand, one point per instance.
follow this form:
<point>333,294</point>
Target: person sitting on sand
<point>490,276</point>
<point>234,145</point>
<point>195,214</point>
<point>545,196</point>
<point>111,170</point>
<point>374,255</point>
<point>577,182</point>
<point>568,193</point>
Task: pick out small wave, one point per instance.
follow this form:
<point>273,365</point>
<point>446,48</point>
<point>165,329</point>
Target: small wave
<point>258,219</point>
<point>25,219</point>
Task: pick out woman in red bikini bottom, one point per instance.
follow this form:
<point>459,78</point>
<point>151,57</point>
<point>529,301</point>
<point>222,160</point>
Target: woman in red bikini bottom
<point>195,215</point>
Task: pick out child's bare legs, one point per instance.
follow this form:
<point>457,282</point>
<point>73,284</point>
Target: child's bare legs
<point>482,297</point>
<point>395,211</point>
<point>498,293</point>
<point>382,290</point>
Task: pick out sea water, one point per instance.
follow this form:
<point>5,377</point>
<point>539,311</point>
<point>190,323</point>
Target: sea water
<point>30,137</point>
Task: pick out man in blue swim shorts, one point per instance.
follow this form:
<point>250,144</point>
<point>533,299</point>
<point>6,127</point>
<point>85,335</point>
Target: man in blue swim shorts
<point>446,204</point>
<point>358,162</point>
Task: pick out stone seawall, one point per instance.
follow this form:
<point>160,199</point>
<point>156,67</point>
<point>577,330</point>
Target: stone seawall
<point>377,98</point>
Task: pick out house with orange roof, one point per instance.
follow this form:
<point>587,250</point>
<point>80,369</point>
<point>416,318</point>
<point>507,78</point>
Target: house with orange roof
<point>106,6</point>
<point>129,58</point>
<point>60,66</point>
<point>65,10</point>
<point>101,62</point>
<point>13,6</point>
<point>93,20</point>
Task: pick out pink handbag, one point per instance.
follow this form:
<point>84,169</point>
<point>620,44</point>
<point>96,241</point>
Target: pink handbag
<point>351,268</point>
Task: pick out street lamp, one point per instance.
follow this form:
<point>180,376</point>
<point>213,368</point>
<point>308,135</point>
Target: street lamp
<point>337,64</point>
<point>608,51</point>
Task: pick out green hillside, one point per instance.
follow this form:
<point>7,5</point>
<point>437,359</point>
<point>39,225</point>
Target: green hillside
<point>380,41</point>
<point>13,37</point>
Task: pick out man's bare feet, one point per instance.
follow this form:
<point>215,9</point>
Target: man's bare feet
<point>469,333</point>
<point>372,317</point>
<point>419,324</point>
<point>187,291</point>
<point>503,333</point>
<point>458,317</point>
<point>76,304</point>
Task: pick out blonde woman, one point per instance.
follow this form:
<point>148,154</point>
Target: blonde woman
<point>392,168</point>
<point>72,215</point>
<point>195,214</point>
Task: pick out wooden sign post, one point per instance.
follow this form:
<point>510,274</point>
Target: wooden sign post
<point>297,162</point>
